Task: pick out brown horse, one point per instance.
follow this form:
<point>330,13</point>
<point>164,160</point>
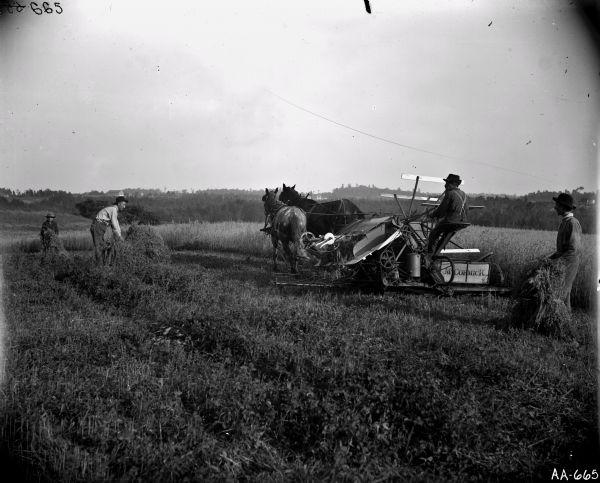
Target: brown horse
<point>289,223</point>
<point>322,218</point>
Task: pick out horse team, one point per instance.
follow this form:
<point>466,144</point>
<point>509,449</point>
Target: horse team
<point>292,214</point>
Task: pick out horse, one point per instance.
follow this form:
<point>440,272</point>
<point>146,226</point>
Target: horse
<point>288,225</point>
<point>322,218</point>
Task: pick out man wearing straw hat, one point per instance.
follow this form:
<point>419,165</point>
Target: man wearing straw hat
<point>105,228</point>
<point>568,242</point>
<point>48,232</point>
<point>451,212</point>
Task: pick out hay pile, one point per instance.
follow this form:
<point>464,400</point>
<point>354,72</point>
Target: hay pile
<point>142,244</point>
<point>55,244</point>
<point>539,306</point>
<point>140,250</point>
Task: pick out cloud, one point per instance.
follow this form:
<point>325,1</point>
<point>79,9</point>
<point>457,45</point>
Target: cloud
<point>150,95</point>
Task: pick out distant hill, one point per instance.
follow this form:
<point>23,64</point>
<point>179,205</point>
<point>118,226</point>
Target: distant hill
<point>533,210</point>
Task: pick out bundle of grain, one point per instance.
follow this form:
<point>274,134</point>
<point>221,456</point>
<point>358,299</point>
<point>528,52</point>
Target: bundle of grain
<point>539,301</point>
<point>55,244</point>
<point>52,247</point>
<point>142,244</point>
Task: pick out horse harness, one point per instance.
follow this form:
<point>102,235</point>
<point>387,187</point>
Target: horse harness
<point>273,206</point>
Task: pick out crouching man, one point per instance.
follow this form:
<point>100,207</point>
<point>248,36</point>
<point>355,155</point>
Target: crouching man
<point>105,230</point>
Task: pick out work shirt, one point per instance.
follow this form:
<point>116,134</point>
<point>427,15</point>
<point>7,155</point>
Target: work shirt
<point>568,238</point>
<point>108,215</point>
<point>453,208</point>
<point>49,226</point>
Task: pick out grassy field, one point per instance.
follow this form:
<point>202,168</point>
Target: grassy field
<point>514,250</point>
<point>199,369</point>
<point>22,228</point>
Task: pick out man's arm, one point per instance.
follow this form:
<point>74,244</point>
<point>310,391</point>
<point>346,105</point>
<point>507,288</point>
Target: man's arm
<point>573,242</point>
<point>441,210</point>
<point>563,240</point>
<point>114,220</point>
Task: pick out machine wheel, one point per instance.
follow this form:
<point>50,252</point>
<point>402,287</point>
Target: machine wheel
<point>388,267</point>
<point>307,238</point>
<point>440,265</point>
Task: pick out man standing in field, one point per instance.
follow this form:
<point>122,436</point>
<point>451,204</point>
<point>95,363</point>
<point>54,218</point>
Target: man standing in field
<point>105,228</point>
<point>568,242</point>
<point>451,214</point>
<point>48,234</point>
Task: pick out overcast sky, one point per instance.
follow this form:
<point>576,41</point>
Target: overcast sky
<point>253,94</point>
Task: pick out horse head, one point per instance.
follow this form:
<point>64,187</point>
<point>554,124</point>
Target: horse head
<point>270,200</point>
<point>289,195</point>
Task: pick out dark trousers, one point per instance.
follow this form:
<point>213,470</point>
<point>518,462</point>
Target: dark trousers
<point>437,234</point>
<point>49,245</point>
<point>98,231</point>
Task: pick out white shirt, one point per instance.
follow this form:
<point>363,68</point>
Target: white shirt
<point>109,214</point>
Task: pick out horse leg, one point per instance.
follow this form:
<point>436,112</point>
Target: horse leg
<point>294,260</point>
<point>298,253</point>
<point>290,256</point>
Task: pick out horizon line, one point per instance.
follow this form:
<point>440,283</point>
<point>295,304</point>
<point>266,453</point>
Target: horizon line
<point>165,190</point>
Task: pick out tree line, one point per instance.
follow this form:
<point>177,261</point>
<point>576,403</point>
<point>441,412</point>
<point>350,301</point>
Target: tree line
<point>533,211</point>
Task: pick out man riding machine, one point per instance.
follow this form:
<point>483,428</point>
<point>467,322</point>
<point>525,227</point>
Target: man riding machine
<point>451,216</point>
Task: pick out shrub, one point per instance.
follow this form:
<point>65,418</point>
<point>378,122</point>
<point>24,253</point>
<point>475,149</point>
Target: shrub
<point>138,214</point>
<point>89,207</point>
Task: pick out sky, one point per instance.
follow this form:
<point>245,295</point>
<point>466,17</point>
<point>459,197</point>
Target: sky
<point>237,94</point>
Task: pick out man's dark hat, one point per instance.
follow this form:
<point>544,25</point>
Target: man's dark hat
<point>50,215</point>
<point>121,198</point>
<point>566,200</point>
<point>453,178</point>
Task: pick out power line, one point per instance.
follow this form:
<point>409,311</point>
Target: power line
<point>413,148</point>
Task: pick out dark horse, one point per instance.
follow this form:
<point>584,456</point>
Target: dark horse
<point>288,225</point>
<point>328,217</point>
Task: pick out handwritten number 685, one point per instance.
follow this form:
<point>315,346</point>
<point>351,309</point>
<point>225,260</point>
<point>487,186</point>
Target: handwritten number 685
<point>45,8</point>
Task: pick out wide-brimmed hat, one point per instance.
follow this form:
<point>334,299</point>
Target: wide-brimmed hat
<point>453,178</point>
<point>121,197</point>
<point>50,215</point>
<point>565,200</point>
